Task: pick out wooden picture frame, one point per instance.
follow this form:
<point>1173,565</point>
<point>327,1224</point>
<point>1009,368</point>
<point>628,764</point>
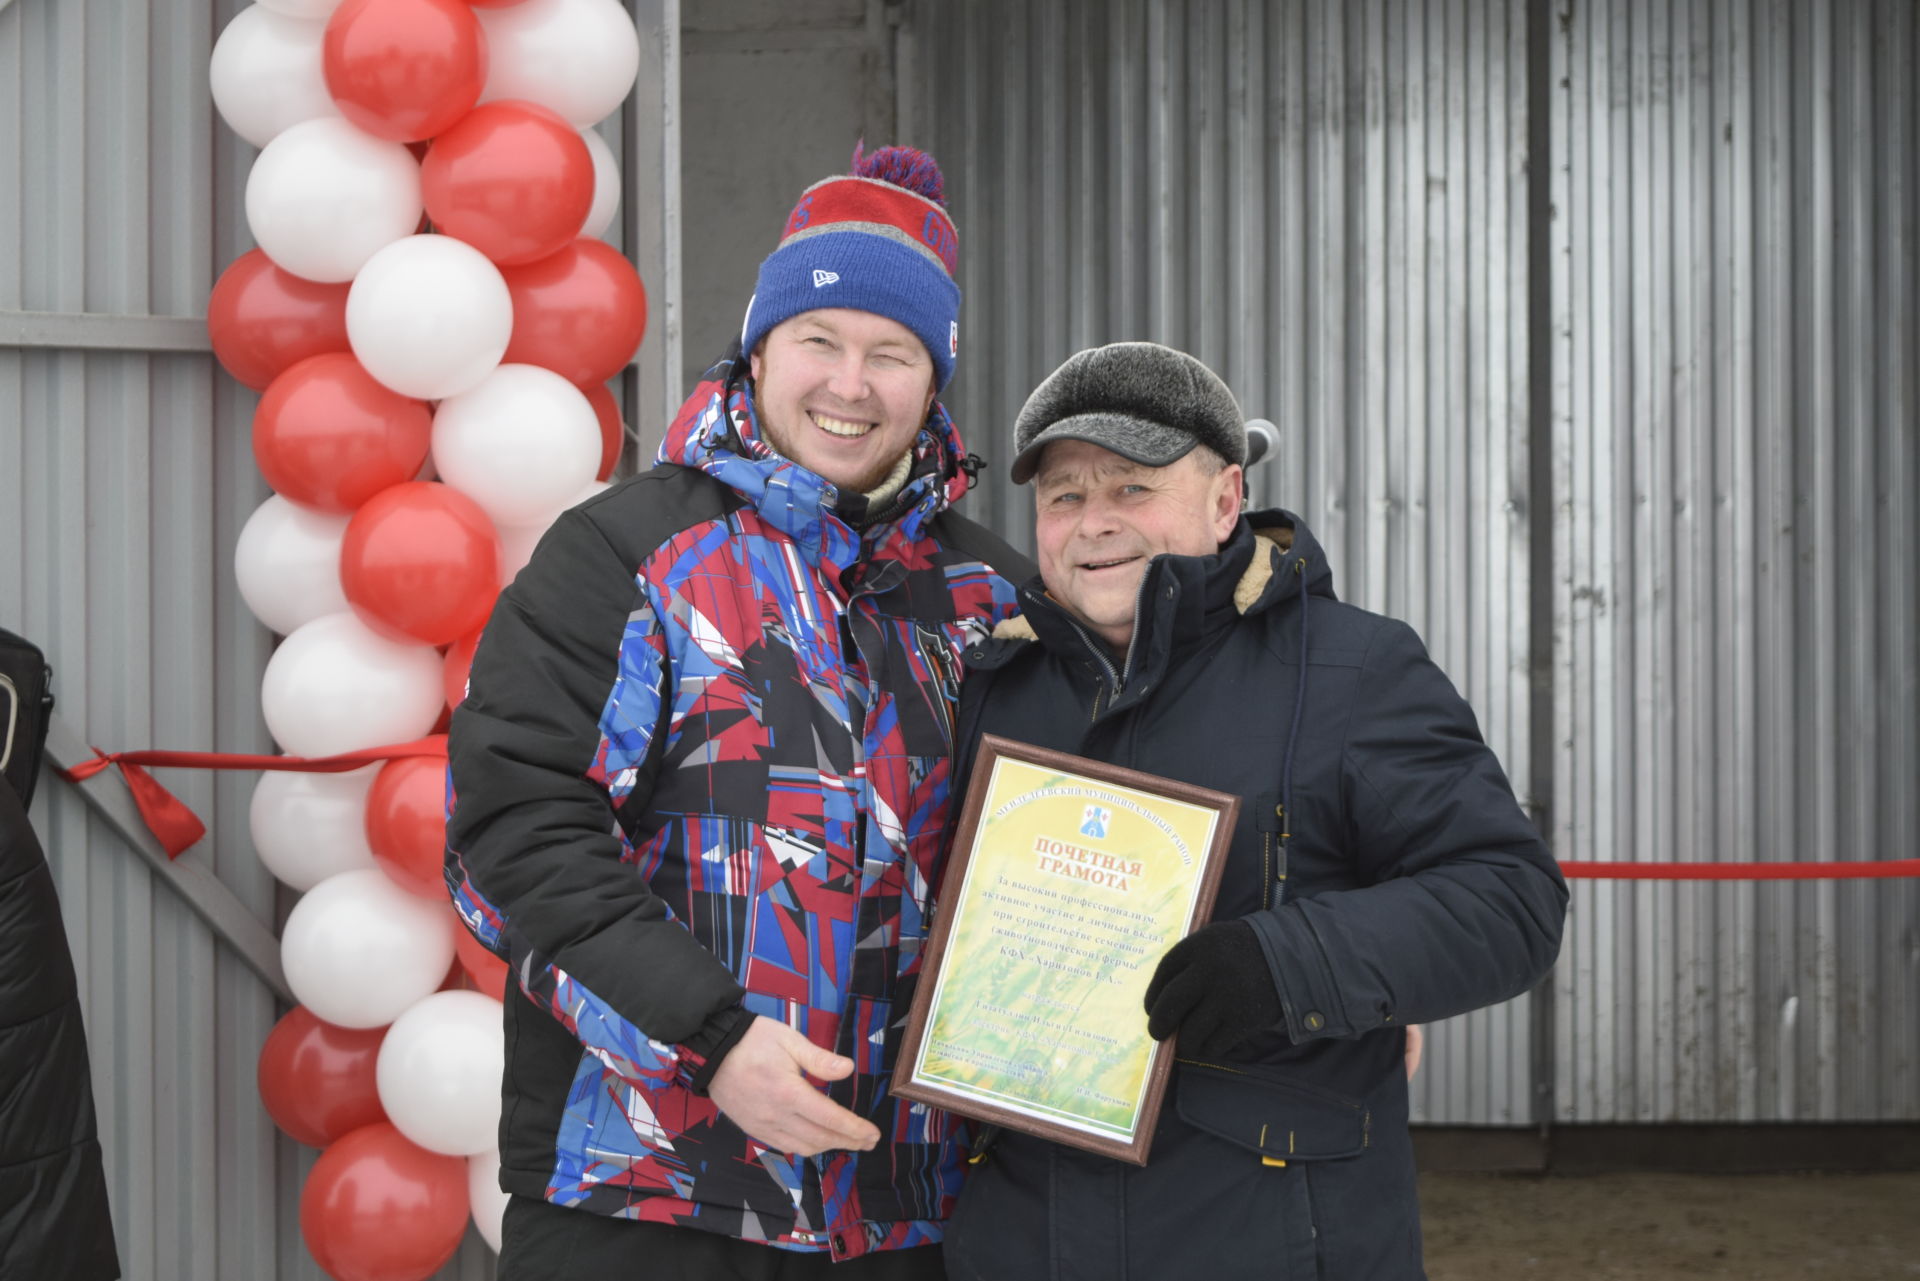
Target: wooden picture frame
<point>1067,881</point>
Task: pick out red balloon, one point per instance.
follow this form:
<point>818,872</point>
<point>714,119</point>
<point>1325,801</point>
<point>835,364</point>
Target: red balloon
<point>488,972</point>
<point>613,432</point>
<point>378,1208</point>
<point>454,667</point>
<point>512,179</point>
<point>263,320</point>
<point>404,70</point>
<point>317,1080</point>
<point>327,435</point>
<point>407,823</point>
<point>422,561</point>
<point>580,312</point>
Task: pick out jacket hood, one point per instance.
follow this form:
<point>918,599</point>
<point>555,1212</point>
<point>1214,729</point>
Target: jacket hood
<point>717,431</point>
<point>1285,550</point>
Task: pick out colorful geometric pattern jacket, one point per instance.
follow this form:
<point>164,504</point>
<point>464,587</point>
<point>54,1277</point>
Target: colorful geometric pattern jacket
<point>703,763</point>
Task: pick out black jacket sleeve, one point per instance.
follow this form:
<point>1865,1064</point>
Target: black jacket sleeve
<point>1463,905</point>
<point>565,692</point>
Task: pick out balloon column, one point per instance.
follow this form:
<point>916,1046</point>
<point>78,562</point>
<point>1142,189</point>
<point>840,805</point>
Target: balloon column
<point>432,320</point>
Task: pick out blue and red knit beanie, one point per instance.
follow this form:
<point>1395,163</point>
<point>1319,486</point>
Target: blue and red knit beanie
<point>879,240</point>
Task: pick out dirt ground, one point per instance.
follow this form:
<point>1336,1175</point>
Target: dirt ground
<point>1671,1227</point>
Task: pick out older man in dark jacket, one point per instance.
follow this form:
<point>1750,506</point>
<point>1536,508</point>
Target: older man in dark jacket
<point>1382,873</point>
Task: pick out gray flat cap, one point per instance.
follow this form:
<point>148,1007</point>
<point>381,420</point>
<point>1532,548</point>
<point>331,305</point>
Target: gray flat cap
<point>1145,402</point>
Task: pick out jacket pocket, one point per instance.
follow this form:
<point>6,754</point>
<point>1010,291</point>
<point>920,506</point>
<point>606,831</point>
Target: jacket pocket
<point>1258,1109</point>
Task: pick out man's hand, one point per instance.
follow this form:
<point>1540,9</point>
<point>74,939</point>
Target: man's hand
<point>1212,987</point>
<point>762,1086</point>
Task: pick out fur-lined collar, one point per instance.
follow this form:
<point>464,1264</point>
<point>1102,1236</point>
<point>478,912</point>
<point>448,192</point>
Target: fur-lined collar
<point>1271,546</point>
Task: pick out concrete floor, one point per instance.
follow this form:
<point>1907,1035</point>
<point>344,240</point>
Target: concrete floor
<point>1671,1227</point>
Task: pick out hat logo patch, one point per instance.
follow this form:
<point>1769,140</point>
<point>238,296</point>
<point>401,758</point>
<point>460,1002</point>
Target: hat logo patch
<point>821,277</point>
<point>953,338</point>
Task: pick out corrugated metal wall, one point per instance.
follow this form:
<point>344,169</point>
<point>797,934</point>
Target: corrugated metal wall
<point>1326,202</point>
<point>1329,203</point>
<point>1734,354</point>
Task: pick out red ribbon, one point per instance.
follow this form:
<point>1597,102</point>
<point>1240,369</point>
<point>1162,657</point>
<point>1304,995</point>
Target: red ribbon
<point>1849,870</point>
<point>175,826</point>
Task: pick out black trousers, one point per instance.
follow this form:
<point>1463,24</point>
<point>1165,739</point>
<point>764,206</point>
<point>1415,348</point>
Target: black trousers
<point>542,1242</point>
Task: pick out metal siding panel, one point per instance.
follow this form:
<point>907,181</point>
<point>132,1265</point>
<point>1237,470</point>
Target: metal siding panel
<point>1775,959</point>
<point>1735,1091</point>
<point>13,170</point>
<point>1853,1026</point>
<point>1896,320</point>
<point>647,136</point>
<point>1573,975</point>
<point>1739,294</point>
<point>1326,203</point>
<point>1817,565</point>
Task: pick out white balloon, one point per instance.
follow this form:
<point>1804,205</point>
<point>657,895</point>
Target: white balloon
<point>266,77</point>
<point>578,57</point>
<point>336,685</point>
<point>324,197</point>
<point>606,185</point>
<point>521,444</point>
<point>518,541</point>
<point>358,950</point>
<point>287,564</point>
<point>439,1072</point>
<point>484,1195</point>
<point>516,548</point>
<point>308,827</point>
<point>312,10</point>
<point>429,317</point>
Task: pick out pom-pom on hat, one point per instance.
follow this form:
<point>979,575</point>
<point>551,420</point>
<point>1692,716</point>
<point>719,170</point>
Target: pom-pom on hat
<point>1145,402</point>
<point>879,240</point>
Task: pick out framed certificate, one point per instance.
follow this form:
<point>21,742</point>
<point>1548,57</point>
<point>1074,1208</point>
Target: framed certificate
<point>1067,882</point>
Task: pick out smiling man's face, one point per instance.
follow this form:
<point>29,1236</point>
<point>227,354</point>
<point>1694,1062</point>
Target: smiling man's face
<point>843,393</point>
<point>1101,517</point>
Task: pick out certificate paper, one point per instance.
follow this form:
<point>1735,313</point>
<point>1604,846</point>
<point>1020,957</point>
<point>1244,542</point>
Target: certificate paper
<point>1068,881</point>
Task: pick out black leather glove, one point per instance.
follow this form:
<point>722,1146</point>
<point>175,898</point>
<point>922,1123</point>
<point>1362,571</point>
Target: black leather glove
<point>1212,987</point>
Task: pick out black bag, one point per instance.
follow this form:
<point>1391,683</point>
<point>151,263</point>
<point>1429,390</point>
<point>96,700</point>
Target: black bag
<point>26,712</point>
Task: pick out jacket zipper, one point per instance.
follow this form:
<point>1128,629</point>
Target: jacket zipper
<point>1115,678</point>
<point>1313,1226</point>
<point>943,666</point>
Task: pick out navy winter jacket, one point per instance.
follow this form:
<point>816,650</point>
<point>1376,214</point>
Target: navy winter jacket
<point>1382,860</point>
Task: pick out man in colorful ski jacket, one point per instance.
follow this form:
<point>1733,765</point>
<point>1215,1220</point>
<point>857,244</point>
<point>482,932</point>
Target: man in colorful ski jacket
<point>1380,874</point>
<point>700,780</point>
